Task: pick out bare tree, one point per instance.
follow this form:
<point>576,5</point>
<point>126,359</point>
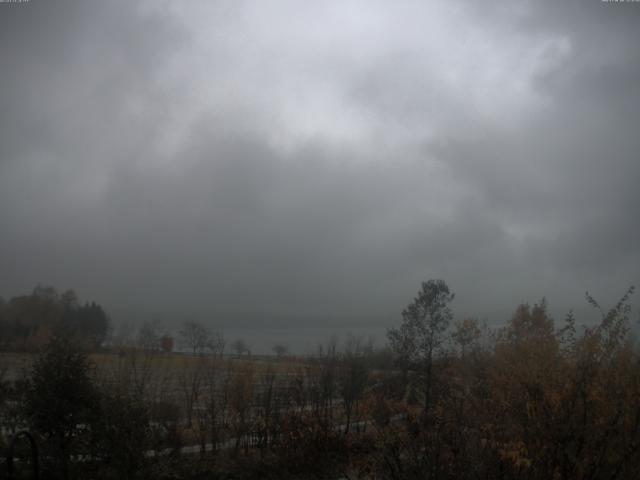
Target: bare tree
<point>194,337</point>
<point>217,344</point>
<point>267,407</point>
<point>190,379</point>
<point>211,416</point>
<point>322,382</point>
<point>352,378</point>
<point>241,393</point>
<point>280,350</point>
<point>149,336</point>
<point>140,367</point>
<point>241,347</point>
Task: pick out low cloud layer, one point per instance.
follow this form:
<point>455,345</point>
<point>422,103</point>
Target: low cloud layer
<point>288,164</point>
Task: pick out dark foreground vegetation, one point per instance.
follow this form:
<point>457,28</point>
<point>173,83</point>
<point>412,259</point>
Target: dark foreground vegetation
<point>446,400</point>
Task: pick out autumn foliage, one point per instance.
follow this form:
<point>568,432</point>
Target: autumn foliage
<point>447,399</point>
<point>540,403</point>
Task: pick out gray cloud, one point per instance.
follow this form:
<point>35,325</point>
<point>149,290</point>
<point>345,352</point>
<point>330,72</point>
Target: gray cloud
<point>290,166</point>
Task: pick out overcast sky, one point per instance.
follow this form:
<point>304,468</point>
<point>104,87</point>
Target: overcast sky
<point>308,164</point>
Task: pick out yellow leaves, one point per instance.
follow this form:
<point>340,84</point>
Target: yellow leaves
<point>516,453</point>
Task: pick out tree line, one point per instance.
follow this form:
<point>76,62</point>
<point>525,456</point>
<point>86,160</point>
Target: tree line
<point>28,321</point>
<point>445,399</point>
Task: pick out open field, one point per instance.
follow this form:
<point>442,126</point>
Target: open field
<point>14,364</point>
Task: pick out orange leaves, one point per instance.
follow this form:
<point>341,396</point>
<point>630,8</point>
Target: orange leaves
<point>516,453</point>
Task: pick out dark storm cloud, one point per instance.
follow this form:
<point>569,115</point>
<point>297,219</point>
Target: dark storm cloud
<point>295,165</point>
